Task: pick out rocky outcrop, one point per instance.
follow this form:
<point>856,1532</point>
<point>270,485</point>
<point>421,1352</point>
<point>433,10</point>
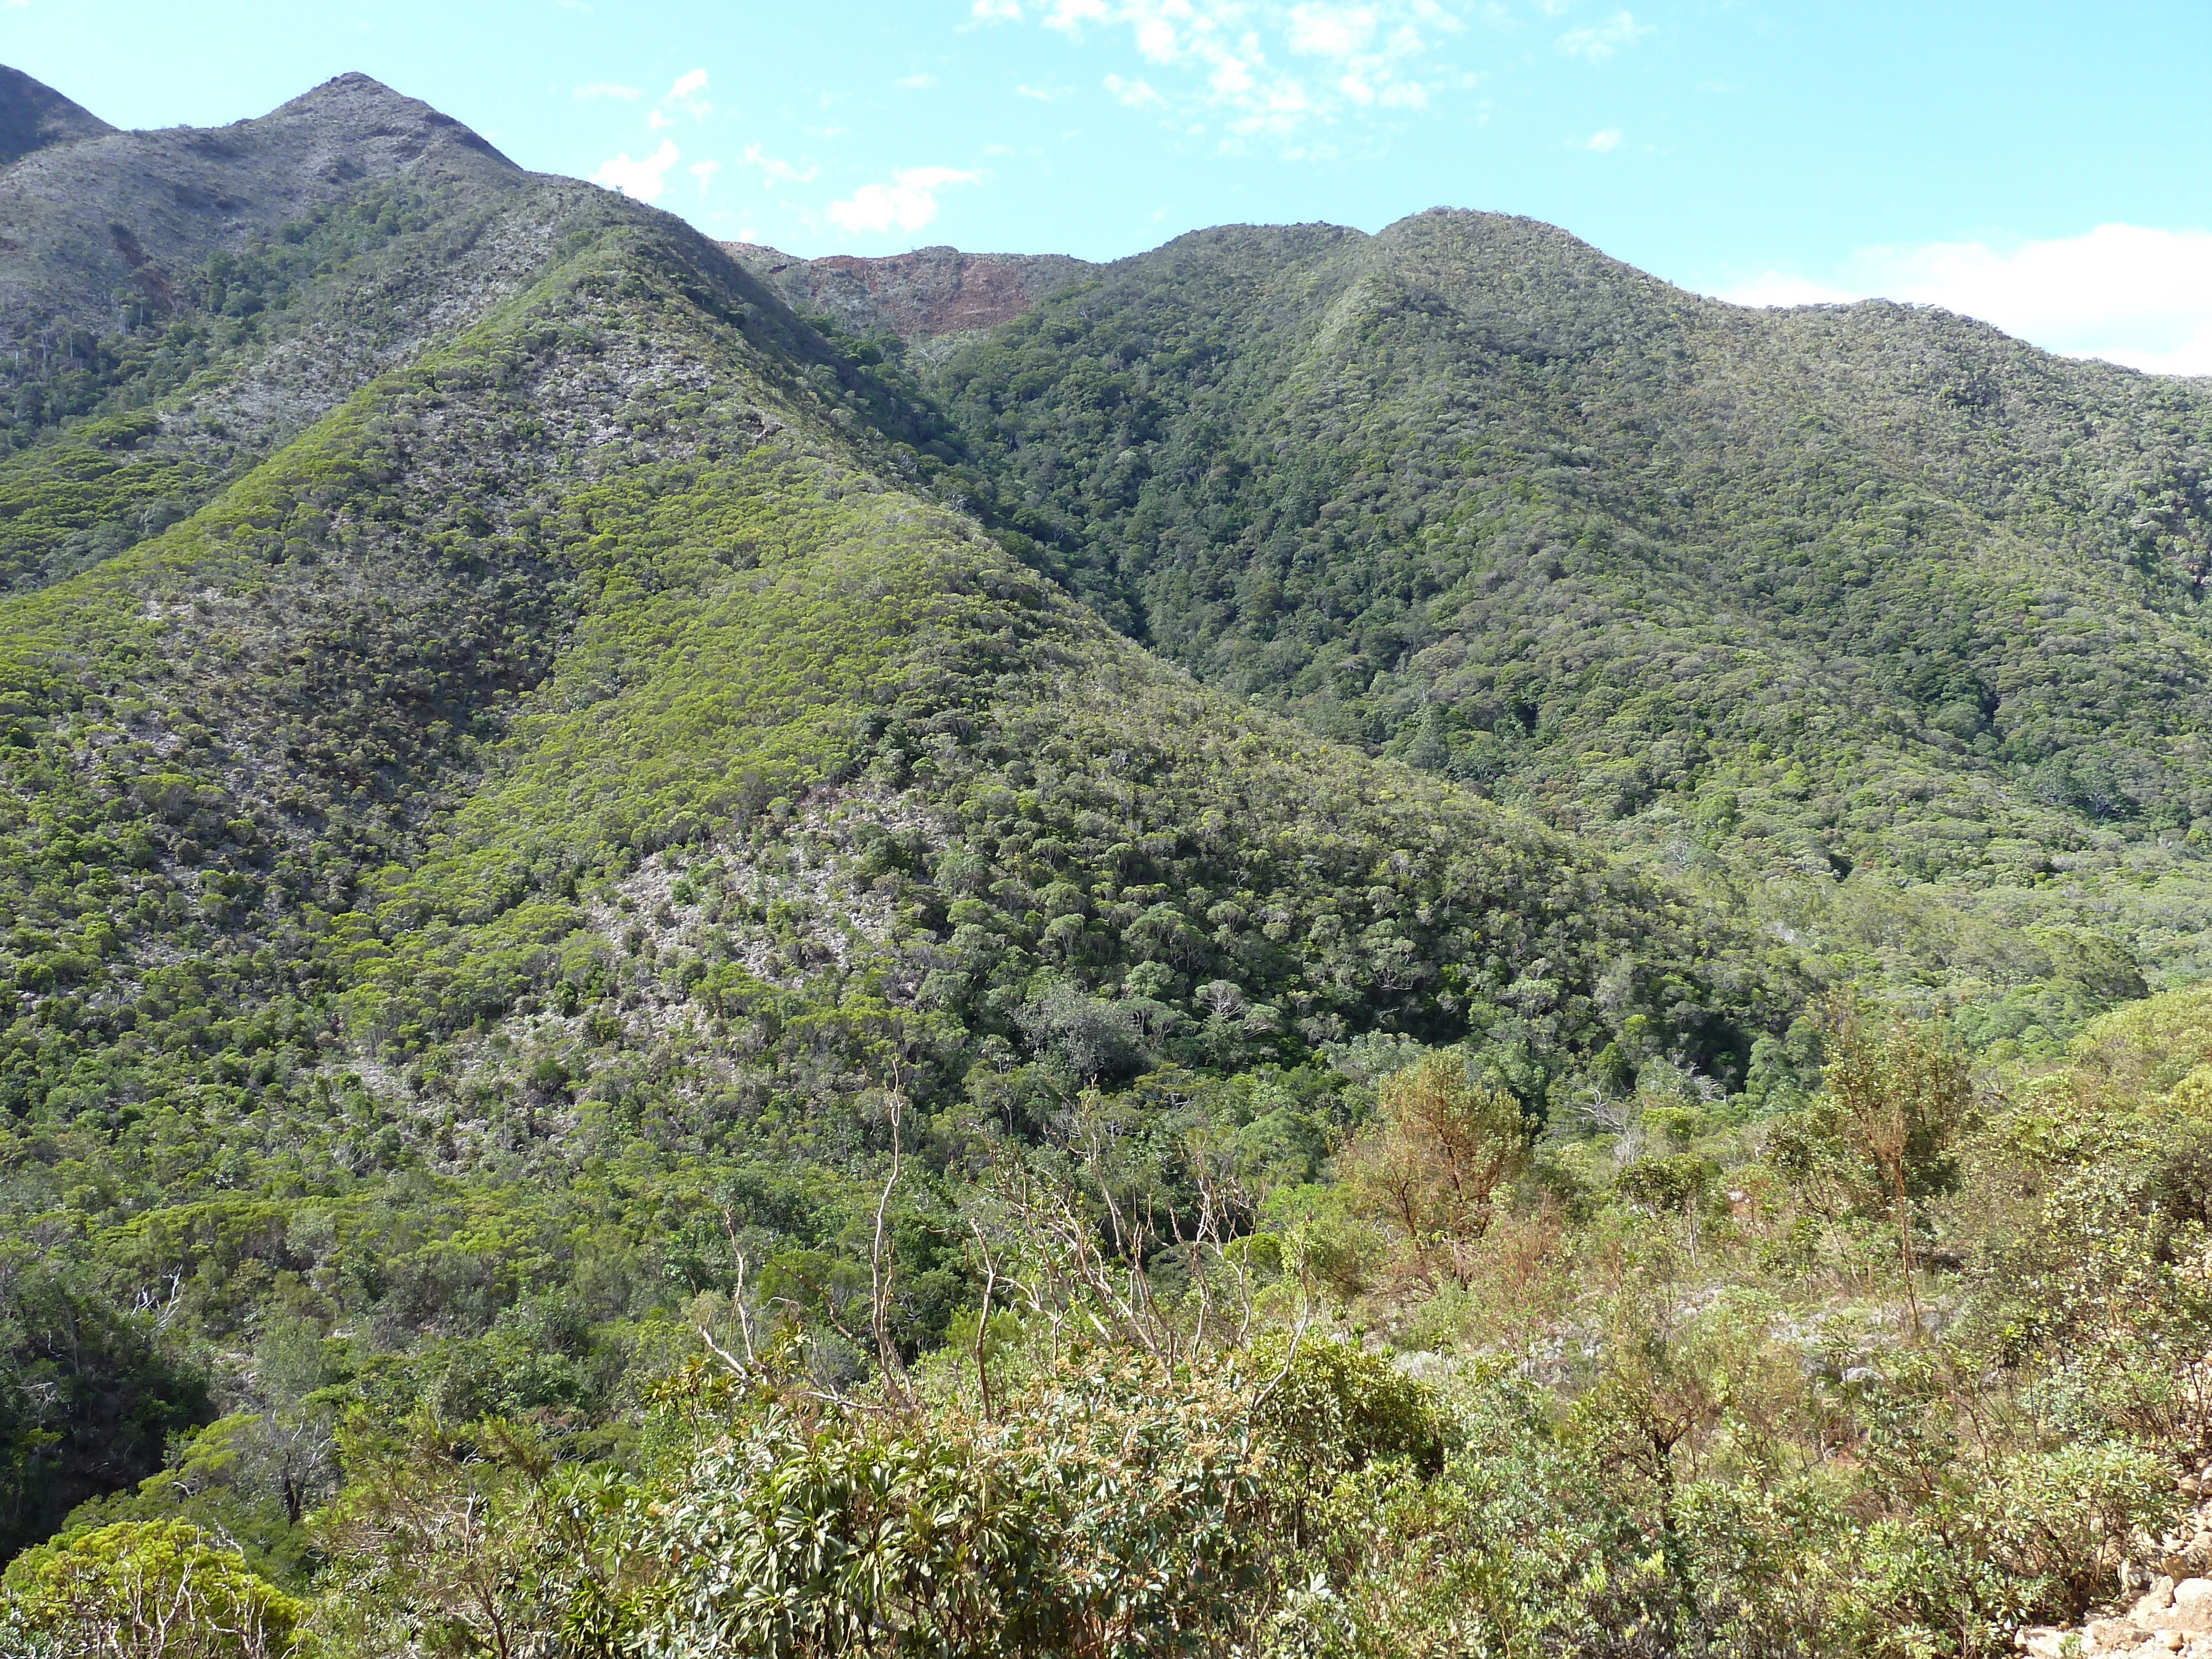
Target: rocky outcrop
<point>927,295</point>
<point>2169,1609</point>
<point>2169,1617</point>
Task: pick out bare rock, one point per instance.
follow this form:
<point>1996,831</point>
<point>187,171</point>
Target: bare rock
<point>2192,1606</point>
<point>2155,1601</point>
<point>930,293</point>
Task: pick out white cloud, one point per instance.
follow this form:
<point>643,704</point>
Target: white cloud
<point>1071,15</point>
<point>642,178</point>
<point>919,83</point>
<point>1602,141</point>
<point>2127,293</point>
<point>609,89</point>
<point>1780,288</point>
<point>1264,69</point>
<point>908,203</point>
<point>1042,95</point>
<point>1598,41</point>
<point>1320,31</point>
<point>1157,40</point>
<point>774,170</point>
<point>1135,93</point>
<point>704,172</point>
<point>685,92</point>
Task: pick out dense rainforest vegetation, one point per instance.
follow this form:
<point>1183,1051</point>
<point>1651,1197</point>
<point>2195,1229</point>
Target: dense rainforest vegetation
<point>1767,598</point>
<point>686,980</point>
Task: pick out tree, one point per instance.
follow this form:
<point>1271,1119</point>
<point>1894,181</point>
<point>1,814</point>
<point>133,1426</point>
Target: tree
<point>1438,1150</point>
<point>1877,1140</point>
<point>145,1589</point>
<point>471,1541</point>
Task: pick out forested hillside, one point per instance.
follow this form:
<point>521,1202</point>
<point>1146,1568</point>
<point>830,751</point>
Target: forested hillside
<point>641,923</point>
<point>1769,596</point>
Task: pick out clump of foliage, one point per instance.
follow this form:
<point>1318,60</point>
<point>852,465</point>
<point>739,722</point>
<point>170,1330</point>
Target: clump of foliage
<point>163,1588</point>
<point>1440,1151</point>
<point>1739,1422</point>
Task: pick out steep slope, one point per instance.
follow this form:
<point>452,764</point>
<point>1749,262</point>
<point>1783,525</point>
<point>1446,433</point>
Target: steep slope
<point>209,294</point>
<point>1786,593</point>
<point>33,116</point>
<point>581,774</point>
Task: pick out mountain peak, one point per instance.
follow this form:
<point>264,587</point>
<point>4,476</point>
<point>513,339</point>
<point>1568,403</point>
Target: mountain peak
<point>82,222</point>
<point>929,293</point>
<point>32,115</point>
<point>354,108</point>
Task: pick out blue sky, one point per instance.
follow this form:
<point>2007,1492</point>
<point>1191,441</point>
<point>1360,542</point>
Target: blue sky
<point>2044,166</point>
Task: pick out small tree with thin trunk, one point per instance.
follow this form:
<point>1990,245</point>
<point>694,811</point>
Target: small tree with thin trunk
<point>1433,1159</point>
<point>1877,1141</point>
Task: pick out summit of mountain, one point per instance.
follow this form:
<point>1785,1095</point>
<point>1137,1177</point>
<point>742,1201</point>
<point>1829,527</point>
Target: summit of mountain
<point>176,303</point>
<point>1769,596</point>
<point>32,115</point>
<point>924,296</point>
<point>117,214</point>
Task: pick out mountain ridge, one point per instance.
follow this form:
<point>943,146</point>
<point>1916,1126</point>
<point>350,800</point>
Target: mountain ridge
<point>1420,489</point>
<point>613,847</point>
<point>139,204</point>
<point>492,697</point>
<point>1514,306</point>
<point>919,296</point>
<point>34,115</point>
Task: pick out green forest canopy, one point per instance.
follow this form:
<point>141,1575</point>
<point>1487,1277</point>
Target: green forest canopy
<point>573,903</point>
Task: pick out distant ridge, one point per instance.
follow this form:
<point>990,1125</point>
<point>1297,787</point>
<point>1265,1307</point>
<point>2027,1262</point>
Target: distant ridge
<point>928,294</point>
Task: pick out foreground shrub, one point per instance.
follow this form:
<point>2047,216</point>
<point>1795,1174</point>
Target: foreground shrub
<point>1109,1511</point>
<point>143,1589</point>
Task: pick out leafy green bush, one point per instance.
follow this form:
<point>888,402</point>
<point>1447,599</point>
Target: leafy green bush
<point>163,1589</point>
